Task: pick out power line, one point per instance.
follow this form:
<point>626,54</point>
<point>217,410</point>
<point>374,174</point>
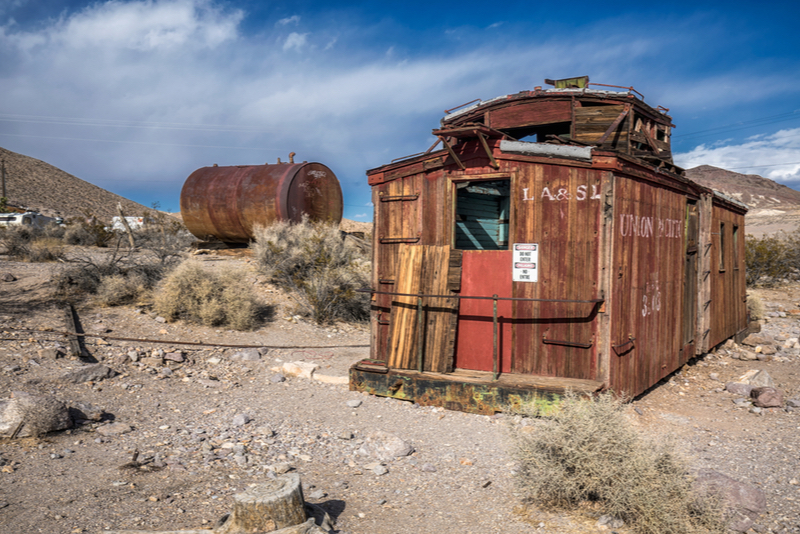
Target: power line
<point>279,151</point>
<point>771,165</point>
<point>742,125</point>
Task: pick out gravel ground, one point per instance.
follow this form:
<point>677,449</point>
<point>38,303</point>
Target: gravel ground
<point>210,426</point>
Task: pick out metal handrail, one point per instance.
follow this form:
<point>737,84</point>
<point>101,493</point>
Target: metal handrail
<point>494,298</point>
<point>372,291</point>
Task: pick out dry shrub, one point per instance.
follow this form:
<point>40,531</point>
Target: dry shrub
<point>199,296</point>
<point>772,260</point>
<point>755,306</point>
<point>321,268</point>
<point>588,451</point>
<point>46,249</point>
<point>25,243</point>
<point>87,273</point>
<point>119,289</point>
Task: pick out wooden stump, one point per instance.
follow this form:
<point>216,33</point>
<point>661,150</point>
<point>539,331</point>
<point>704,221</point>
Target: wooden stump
<point>267,507</point>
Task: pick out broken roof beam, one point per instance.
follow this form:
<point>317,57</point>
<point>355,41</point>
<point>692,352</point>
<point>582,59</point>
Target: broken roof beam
<point>452,152</point>
<point>614,125</point>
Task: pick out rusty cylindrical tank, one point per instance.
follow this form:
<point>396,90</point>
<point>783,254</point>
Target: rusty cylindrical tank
<point>230,202</point>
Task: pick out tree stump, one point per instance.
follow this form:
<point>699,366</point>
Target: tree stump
<point>267,507</point>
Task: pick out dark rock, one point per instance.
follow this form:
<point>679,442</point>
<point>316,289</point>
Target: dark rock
<point>85,411</point>
<point>743,503</point>
<point>8,277</point>
<point>793,403</point>
<point>277,378</point>
<point>94,373</point>
<point>738,388</point>
<point>765,397</point>
<point>26,415</point>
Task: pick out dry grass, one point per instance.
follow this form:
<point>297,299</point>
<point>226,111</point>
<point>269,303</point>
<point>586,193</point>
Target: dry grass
<point>24,243</point>
<point>320,267</point>
<point>193,294</point>
<point>588,452</point>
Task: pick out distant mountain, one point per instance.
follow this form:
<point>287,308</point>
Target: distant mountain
<point>39,186</point>
<point>754,190</point>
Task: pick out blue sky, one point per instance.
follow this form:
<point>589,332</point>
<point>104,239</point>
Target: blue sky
<point>135,95</point>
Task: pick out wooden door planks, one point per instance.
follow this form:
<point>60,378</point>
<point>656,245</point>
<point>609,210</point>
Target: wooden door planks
<point>423,270</point>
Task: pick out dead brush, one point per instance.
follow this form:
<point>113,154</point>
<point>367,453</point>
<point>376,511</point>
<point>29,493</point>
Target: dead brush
<point>320,268</point>
<point>196,295</point>
<point>24,243</point>
<point>587,451</point>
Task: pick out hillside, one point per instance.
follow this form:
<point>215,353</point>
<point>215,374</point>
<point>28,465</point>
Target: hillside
<point>42,187</point>
<point>754,190</point>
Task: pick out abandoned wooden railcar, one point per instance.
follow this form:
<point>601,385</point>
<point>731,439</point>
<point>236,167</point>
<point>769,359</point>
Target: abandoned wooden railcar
<point>551,244</point>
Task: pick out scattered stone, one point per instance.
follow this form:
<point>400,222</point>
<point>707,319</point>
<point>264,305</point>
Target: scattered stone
<point>761,338</point>
<point>277,378</point>
<point>768,350</point>
<point>793,403</point>
<point>319,494</point>
<point>161,320</point>
<point>609,522</point>
<point>761,379</point>
<point>248,355</point>
<point>25,415</point>
<point>86,412</point>
<point>281,468</point>
<point>214,360</point>
<point>166,371</point>
<point>334,380</point>
<point>755,409</point>
<point>298,369</point>
<point>175,357</point>
<point>133,355</point>
<point>429,468</point>
<point>50,354</point>
<point>55,456</point>
<point>8,277</point>
<point>714,376</point>
<point>743,503</point>
<point>114,429</point>
<point>738,388</point>
<point>766,397</point>
<point>241,419</point>
<point>345,435</point>
<point>152,362</point>
<point>354,403</point>
<point>94,373</point>
<point>384,446</point>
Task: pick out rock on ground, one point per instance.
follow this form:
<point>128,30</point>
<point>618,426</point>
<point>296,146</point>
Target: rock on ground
<point>26,415</point>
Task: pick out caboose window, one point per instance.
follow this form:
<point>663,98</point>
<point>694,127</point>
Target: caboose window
<point>481,215</point>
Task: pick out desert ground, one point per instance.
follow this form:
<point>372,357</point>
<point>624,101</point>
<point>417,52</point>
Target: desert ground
<point>168,441</point>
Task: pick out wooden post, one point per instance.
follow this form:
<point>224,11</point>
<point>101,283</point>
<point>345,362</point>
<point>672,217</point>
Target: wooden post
<point>126,225</point>
<point>276,507</point>
<point>75,347</point>
<point>267,507</point>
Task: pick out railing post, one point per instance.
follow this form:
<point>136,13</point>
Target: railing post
<point>419,334</point>
<point>494,344</point>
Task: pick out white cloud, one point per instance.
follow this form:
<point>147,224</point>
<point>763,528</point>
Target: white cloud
<point>139,25</point>
<point>294,19</point>
<point>295,40</point>
<point>775,156</point>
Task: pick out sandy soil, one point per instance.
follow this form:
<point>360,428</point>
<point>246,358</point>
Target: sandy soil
<point>196,455</point>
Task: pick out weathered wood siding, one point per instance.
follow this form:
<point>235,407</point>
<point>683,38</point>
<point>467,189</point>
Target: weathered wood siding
<point>728,306</point>
<point>559,208</point>
<point>646,300</point>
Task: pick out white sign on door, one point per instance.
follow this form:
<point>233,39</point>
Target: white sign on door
<point>525,262</point>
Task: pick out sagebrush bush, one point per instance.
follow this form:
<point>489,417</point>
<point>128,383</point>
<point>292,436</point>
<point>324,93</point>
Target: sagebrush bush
<point>121,289</point>
<point>26,243</point>
<point>321,268</point>
<point>196,295</point>
<point>588,451</point>
<point>772,259</point>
